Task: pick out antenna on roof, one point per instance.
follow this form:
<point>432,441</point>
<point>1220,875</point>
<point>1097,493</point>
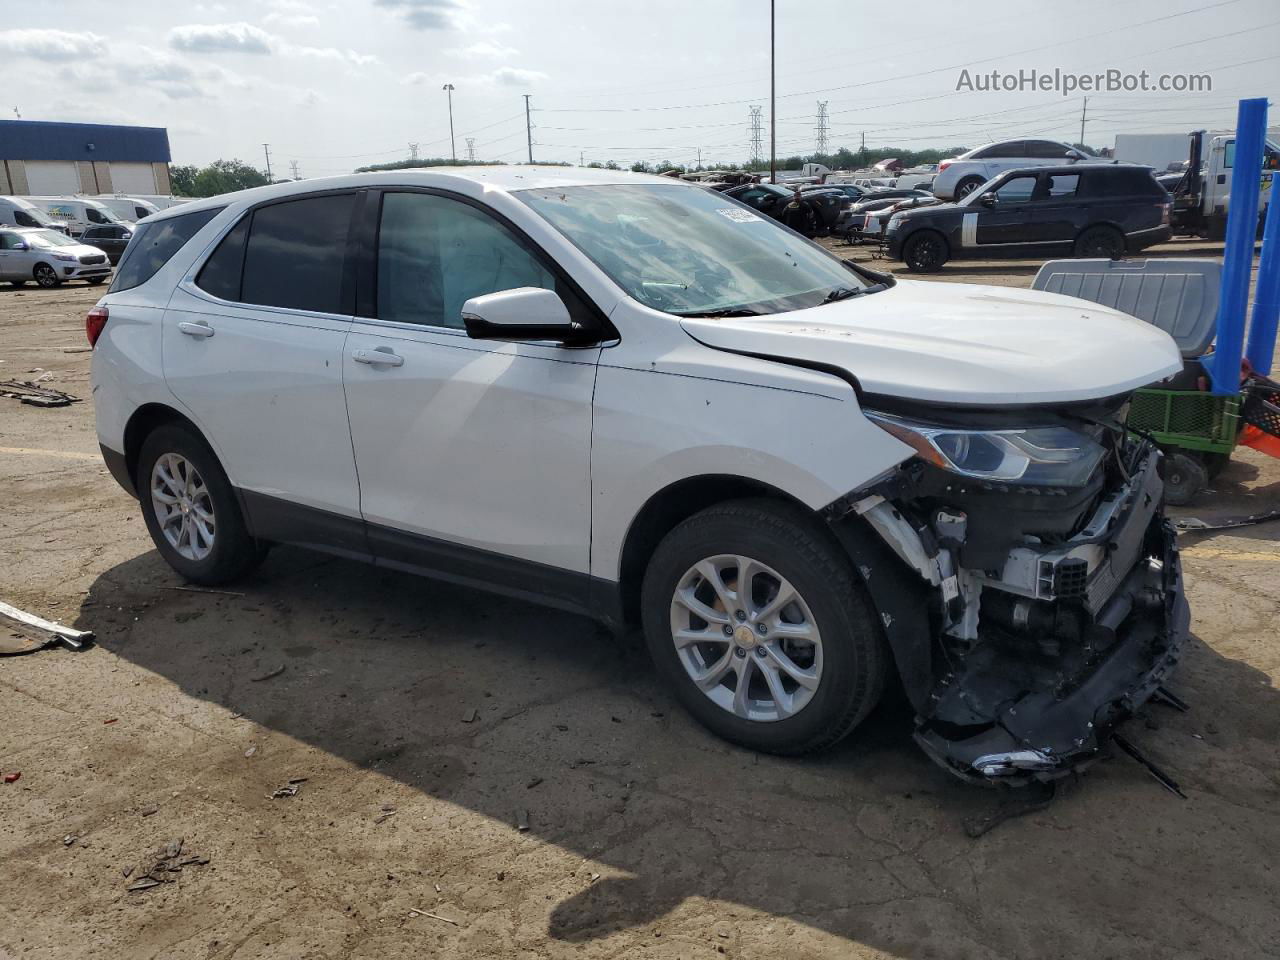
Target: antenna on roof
<point>17,113</point>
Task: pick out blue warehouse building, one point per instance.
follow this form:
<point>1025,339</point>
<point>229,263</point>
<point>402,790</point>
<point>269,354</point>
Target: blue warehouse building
<point>60,159</point>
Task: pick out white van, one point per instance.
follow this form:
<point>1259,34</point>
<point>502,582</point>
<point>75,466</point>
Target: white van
<point>78,213</point>
<point>128,208</point>
<point>21,212</point>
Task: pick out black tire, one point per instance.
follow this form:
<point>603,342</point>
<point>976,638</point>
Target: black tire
<point>1215,463</point>
<point>46,276</point>
<point>234,552</point>
<point>966,186</point>
<point>925,251</point>
<point>94,281</point>
<point>1100,243</point>
<point>1184,477</point>
<point>788,539</point>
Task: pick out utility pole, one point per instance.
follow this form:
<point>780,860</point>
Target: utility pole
<point>582,158</point>
<point>862,150</point>
<point>453,147</point>
<point>1084,110</point>
<point>757,134</point>
<point>266,150</point>
<point>413,153</point>
<point>699,158</point>
<point>773,100</point>
<point>293,170</point>
<point>822,127</point>
<point>528,126</point>
<point>471,149</point>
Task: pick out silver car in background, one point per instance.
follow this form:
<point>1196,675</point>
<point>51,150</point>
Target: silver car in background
<point>49,258</point>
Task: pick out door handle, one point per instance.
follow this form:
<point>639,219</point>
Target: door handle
<point>380,356</point>
<point>200,330</point>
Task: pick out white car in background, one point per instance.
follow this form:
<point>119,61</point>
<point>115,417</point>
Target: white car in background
<point>49,257</point>
<point>638,399</point>
<point>960,176</point>
<point>128,208</point>
<point>21,212</point>
<point>77,214</point>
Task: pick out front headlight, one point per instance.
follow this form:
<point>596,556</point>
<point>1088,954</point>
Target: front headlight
<point>1035,456</point>
<point>64,256</point>
<point>894,222</point>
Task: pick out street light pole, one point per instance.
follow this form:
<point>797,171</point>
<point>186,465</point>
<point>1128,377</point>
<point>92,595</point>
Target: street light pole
<point>453,147</point>
<point>773,102</point>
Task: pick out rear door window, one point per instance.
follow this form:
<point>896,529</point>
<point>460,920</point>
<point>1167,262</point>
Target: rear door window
<point>296,253</point>
<point>223,271</point>
<point>154,244</point>
<point>1046,150</point>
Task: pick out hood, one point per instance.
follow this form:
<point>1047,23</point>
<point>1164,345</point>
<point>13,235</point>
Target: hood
<point>931,210</point>
<point>961,344</point>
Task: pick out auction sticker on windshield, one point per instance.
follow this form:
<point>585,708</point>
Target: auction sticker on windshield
<point>739,216</point>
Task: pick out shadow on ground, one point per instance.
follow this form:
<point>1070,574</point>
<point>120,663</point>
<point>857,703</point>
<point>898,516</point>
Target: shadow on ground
<point>865,841</point>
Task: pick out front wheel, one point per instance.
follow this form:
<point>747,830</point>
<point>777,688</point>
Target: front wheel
<point>94,281</point>
<point>190,508</point>
<point>46,276</point>
<point>755,616</point>
<point>1100,243</point>
<point>925,252</point>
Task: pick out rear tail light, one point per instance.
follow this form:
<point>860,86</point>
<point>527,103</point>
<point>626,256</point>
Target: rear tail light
<point>94,322</point>
<point>943,164</point>
<point>1164,216</point>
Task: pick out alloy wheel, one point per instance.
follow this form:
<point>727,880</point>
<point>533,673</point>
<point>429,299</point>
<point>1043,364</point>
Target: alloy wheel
<point>183,506</point>
<point>746,638</point>
<point>46,276</point>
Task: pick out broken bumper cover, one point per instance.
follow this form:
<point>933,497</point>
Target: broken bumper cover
<point>990,723</point>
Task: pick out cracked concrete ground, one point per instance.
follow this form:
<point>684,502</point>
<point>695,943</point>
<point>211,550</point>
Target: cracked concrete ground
<point>647,838</point>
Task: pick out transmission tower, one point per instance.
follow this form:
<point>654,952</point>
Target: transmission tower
<point>822,128</point>
<point>293,169</point>
<point>471,149</point>
<point>413,152</point>
<point>757,134</point>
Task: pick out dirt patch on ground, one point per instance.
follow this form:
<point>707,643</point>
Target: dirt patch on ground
<point>647,837</point>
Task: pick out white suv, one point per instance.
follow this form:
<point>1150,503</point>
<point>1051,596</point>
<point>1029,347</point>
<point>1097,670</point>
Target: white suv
<point>960,176</point>
<point>636,398</point>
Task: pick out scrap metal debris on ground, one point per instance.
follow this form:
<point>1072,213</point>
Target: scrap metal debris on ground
<point>162,866</point>
<point>1196,525</point>
<point>290,789</point>
<point>48,633</point>
<point>31,393</point>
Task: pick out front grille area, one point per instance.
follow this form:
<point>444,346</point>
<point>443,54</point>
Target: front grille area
<point>94,258</point>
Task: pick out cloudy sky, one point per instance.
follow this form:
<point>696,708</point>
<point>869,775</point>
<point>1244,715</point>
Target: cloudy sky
<point>332,85</point>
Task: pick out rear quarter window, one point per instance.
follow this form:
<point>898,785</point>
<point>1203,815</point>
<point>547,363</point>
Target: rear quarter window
<point>154,244</point>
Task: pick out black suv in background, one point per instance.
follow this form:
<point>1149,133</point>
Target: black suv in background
<point>1082,210</point>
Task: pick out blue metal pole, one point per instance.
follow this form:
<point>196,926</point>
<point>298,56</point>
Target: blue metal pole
<point>1266,296</point>
<point>1237,258</point>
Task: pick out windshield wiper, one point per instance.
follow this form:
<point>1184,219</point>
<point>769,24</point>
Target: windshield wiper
<point>727,312</point>
<point>846,293</point>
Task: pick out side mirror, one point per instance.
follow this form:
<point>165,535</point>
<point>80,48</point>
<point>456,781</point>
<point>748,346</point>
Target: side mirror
<point>988,199</point>
<point>1074,155</point>
<point>21,245</point>
<point>524,313</point>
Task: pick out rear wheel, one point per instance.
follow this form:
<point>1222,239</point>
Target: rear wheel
<point>1100,242</point>
<point>190,508</point>
<point>1184,477</point>
<point>925,252</point>
<point>967,186</point>
<point>756,618</point>
<point>46,276</point>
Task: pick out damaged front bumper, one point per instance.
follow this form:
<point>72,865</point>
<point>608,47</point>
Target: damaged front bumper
<point>1021,661</point>
<point>1014,717</point>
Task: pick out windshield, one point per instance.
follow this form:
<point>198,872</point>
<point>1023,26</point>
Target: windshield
<point>688,251</point>
<point>50,238</point>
